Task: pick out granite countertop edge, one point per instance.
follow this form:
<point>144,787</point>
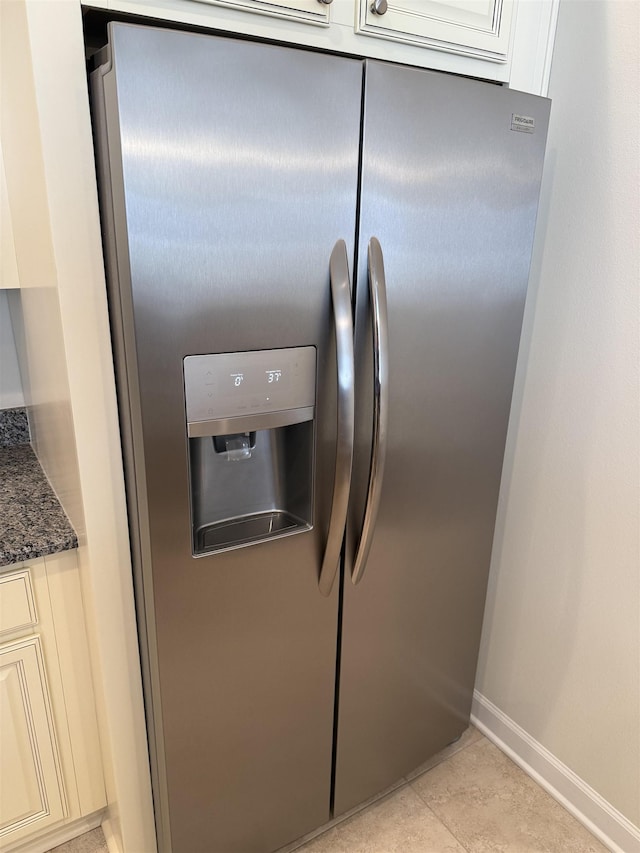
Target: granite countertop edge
<point>32,521</point>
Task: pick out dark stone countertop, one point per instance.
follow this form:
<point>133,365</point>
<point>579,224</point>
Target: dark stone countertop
<point>14,427</point>
<point>32,522</point>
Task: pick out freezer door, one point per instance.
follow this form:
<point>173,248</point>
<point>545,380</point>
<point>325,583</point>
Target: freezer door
<point>229,173</point>
<point>450,177</point>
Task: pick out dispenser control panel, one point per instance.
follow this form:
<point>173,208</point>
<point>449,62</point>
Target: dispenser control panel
<point>238,384</point>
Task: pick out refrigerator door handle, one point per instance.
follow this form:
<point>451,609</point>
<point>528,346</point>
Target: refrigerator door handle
<point>341,299</point>
<point>378,297</point>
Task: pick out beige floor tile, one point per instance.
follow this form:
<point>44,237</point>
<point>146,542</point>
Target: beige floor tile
<point>398,824</point>
<point>300,842</point>
<point>489,804</point>
<point>89,842</point>
<point>469,736</point>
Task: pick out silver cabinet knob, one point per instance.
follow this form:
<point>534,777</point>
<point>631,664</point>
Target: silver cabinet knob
<point>325,2</point>
<point>379,7</point>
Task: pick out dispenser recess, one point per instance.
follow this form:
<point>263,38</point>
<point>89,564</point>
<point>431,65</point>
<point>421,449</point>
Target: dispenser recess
<point>250,425</point>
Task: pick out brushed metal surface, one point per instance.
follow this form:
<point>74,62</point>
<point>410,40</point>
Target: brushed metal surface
<point>111,198</point>
<point>231,385</point>
<point>227,203</point>
<point>380,335</point>
<point>265,420</point>
<point>246,475</point>
<point>343,322</point>
<point>451,193</point>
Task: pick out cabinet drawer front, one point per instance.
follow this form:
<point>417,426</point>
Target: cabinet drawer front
<point>17,603</point>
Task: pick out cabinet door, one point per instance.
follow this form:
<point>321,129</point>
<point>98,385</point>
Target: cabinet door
<point>31,791</point>
<point>311,11</point>
<point>472,27</point>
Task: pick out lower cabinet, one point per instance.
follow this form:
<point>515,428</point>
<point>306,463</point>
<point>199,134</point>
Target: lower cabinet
<point>50,763</point>
<point>31,788</point>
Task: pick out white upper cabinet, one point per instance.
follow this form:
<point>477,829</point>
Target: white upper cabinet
<point>309,11</point>
<point>473,27</point>
<point>507,41</point>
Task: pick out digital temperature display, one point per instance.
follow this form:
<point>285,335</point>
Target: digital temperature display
<point>228,385</point>
<point>272,376</point>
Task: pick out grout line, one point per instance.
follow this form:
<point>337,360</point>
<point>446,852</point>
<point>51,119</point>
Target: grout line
<point>444,823</point>
<point>436,815</point>
<point>403,782</point>
<point>428,805</point>
<point>609,827</point>
<point>343,818</point>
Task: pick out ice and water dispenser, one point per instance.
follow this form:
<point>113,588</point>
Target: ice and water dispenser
<point>250,419</point>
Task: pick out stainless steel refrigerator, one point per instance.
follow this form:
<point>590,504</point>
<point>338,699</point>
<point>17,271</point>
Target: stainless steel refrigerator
<point>317,269</point>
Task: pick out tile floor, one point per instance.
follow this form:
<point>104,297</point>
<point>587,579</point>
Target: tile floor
<point>470,798</point>
<point>90,842</point>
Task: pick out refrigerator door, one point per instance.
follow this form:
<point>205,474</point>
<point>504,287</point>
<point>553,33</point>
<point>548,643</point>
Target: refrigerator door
<point>450,189</point>
<point>229,173</point>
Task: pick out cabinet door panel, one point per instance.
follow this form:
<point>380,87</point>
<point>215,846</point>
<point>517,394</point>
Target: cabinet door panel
<point>310,11</point>
<point>473,27</point>
<point>17,605</point>
<point>31,790</point>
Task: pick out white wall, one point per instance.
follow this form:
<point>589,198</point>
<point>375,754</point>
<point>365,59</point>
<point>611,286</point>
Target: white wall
<point>10,383</point>
<point>41,351</point>
<point>561,644</point>
<point>70,393</point>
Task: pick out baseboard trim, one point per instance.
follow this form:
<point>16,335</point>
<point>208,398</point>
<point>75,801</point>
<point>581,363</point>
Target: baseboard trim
<point>48,840</point>
<point>113,843</point>
<point>609,826</point>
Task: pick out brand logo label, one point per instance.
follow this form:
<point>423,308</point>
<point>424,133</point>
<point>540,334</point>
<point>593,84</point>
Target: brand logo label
<point>523,124</point>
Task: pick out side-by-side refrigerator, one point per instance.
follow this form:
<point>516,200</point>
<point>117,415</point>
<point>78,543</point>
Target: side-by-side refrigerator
<point>317,269</point>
